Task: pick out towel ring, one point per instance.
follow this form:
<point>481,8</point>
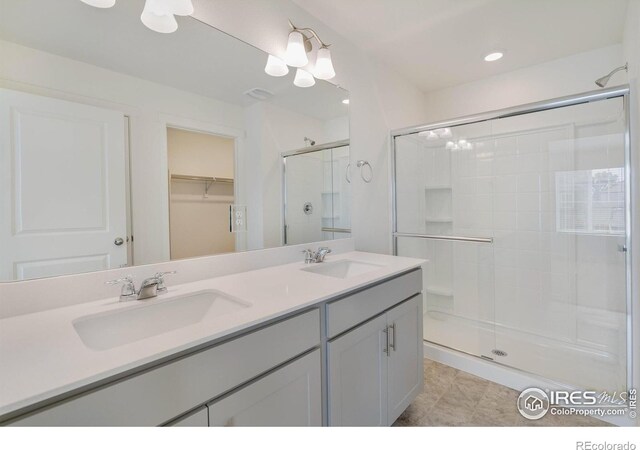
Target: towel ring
<point>361,164</point>
<point>346,175</point>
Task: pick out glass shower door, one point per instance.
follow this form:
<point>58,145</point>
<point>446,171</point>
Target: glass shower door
<point>559,244</point>
<point>317,194</point>
<point>543,286</point>
<point>444,213</point>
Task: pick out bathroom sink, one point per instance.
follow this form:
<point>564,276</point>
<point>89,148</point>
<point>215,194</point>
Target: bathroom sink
<point>342,269</point>
<point>152,317</point>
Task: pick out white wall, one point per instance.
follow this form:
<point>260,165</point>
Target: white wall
<point>571,75</point>
<point>380,99</point>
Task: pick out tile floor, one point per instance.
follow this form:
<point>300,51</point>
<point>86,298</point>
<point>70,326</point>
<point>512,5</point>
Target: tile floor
<point>455,398</point>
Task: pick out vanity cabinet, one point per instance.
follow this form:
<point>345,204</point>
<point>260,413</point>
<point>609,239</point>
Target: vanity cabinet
<point>200,418</point>
<point>375,369</point>
<point>350,360</point>
<point>159,395</point>
<point>288,396</point>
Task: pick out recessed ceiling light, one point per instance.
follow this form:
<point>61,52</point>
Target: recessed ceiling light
<point>345,101</point>
<point>493,56</point>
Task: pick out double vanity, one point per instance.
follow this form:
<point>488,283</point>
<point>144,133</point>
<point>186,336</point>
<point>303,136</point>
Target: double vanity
<point>331,343</point>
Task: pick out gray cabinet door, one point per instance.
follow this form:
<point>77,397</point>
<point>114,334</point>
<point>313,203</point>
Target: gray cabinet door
<point>357,368</point>
<point>200,418</point>
<point>405,367</point>
<point>288,396</point>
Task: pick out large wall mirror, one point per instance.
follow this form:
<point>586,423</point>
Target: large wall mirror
<point>121,146</point>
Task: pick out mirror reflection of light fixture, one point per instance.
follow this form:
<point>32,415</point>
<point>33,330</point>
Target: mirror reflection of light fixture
<point>299,45</point>
<point>100,3</point>
<point>276,67</point>
<point>159,15</point>
<point>303,79</point>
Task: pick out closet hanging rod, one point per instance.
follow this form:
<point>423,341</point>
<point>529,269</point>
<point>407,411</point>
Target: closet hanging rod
<point>200,178</point>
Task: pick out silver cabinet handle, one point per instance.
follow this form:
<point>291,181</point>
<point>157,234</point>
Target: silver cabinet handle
<point>118,241</point>
<point>386,343</point>
<point>392,345</point>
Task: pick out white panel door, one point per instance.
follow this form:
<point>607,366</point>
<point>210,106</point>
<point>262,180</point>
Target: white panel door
<point>63,198</point>
<point>357,368</point>
<point>289,396</point>
<point>405,356</point>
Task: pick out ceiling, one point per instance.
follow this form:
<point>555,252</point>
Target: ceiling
<point>439,43</point>
<point>217,65</point>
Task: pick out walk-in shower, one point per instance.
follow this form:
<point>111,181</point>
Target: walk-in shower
<point>524,217</point>
<point>316,193</point>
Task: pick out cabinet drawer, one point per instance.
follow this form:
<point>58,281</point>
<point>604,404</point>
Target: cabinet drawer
<point>357,308</point>
<point>157,396</point>
<point>289,396</point>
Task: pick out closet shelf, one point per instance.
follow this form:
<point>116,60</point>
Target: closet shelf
<point>201,178</point>
<point>208,181</point>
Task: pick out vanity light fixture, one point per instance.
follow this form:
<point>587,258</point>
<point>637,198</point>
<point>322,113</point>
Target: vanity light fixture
<point>296,55</point>
<point>100,3</point>
<point>324,67</point>
<point>299,45</point>
<point>493,56</point>
<point>303,79</point>
<point>345,101</point>
<point>276,67</point>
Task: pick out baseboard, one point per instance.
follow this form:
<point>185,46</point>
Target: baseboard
<point>497,373</point>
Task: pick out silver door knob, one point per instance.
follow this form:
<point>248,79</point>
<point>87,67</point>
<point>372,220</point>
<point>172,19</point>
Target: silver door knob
<point>119,241</point>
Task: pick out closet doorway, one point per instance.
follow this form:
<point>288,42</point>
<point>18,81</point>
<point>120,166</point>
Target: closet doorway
<point>201,192</point>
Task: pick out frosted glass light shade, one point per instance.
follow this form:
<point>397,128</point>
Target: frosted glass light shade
<point>303,79</point>
<point>296,55</point>
<point>100,3</point>
<point>324,66</point>
<point>162,23</point>
<point>276,67</point>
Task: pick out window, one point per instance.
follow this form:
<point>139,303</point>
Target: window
<point>590,201</point>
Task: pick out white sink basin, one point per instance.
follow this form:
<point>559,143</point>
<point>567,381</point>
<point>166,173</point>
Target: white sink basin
<point>344,268</point>
<point>152,317</point>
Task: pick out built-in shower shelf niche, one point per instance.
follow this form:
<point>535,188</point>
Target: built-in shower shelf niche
<point>438,208</point>
<point>439,290</point>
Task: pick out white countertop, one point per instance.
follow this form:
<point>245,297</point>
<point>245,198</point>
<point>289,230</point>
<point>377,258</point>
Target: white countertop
<point>42,356</point>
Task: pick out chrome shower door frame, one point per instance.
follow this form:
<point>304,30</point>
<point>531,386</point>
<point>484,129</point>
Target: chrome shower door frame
<point>587,97</point>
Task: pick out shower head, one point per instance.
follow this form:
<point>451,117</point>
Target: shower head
<point>602,82</point>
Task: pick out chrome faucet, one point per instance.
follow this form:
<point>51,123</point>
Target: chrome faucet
<point>315,257</point>
<point>149,288</point>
